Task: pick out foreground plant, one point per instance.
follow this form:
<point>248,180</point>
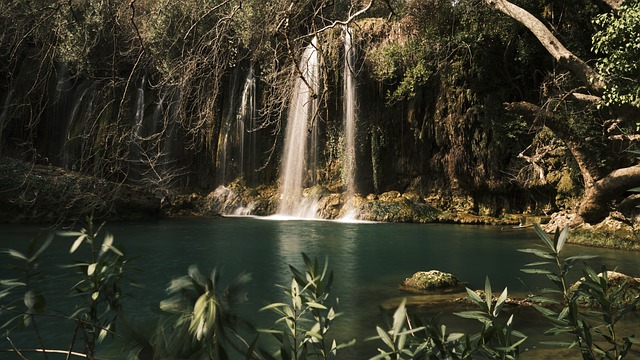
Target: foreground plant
<point>407,338</point>
<point>202,322</point>
<point>98,286</point>
<point>307,319</point>
<point>24,299</point>
<point>561,304</point>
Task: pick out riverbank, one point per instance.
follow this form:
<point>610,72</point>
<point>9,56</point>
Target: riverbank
<point>33,193</point>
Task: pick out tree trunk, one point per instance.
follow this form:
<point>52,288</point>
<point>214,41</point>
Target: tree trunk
<point>598,199</point>
<point>601,194</point>
<point>564,57</point>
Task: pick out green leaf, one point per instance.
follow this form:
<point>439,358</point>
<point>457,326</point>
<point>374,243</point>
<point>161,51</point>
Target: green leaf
<point>399,317</point>
<point>77,243</point>
<point>536,271</point>
<point>488,295</point>
<point>538,263</point>
<point>384,337</point>
<point>91,269</point>
<point>106,244</point>
<point>500,303</point>
<point>42,248</point>
<point>315,305</point>
<point>562,239</point>
<point>474,297</point>
<point>581,257</point>
<point>543,235</point>
<point>476,315</point>
<point>274,305</point>
<point>16,254</point>
<point>69,233</point>
<point>538,252</point>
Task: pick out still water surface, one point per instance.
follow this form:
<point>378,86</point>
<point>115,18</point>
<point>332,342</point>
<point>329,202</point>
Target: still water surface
<point>369,261</point>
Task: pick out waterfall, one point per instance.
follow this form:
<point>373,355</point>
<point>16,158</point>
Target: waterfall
<point>225,152</point>
<point>246,128</point>
<point>349,100</point>
<point>350,118</point>
<point>299,161</point>
<point>76,126</point>
<point>237,150</point>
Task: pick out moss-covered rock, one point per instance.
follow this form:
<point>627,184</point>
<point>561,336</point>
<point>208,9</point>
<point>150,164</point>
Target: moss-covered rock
<point>616,280</point>
<point>430,280</point>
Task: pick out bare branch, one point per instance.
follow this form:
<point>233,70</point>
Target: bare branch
<point>625,137</point>
<point>348,20</point>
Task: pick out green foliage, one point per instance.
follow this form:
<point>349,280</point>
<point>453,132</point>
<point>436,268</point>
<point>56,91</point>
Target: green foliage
<point>97,286</point>
<point>581,324</point>
<point>202,320</point>
<point>30,300</point>
<point>408,338</point>
<point>307,319</point>
<point>618,43</point>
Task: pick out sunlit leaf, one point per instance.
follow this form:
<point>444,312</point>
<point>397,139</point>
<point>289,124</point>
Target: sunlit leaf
<point>562,239</point>
<point>538,253</point>
<point>77,243</point>
<point>315,305</point>
<point>273,305</point>
<point>500,302</point>
<point>476,315</point>
<point>91,269</point>
<point>488,295</point>
<point>543,235</point>
<point>106,244</point>
<point>474,297</point>
<point>69,233</point>
<point>16,254</point>
<point>536,271</point>
<point>399,317</point>
<point>384,337</point>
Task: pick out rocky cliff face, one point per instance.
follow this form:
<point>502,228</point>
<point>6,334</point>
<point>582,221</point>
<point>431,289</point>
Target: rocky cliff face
<point>446,143</point>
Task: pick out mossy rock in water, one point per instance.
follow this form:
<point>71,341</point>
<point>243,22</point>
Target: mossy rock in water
<point>616,280</point>
<point>430,280</point>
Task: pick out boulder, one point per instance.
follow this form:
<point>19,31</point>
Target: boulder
<point>430,280</point>
<point>616,280</point>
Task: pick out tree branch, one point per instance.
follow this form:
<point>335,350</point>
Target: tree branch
<point>562,131</point>
<point>594,206</point>
<point>564,57</point>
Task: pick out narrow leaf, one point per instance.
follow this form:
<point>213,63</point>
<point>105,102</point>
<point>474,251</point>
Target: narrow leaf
<point>77,243</point>
<point>562,239</point>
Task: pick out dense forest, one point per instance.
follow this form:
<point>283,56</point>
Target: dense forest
<point>485,107</point>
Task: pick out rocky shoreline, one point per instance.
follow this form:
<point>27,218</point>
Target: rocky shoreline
<point>46,194</point>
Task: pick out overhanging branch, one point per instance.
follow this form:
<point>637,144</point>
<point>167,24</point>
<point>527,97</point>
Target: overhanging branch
<point>557,50</point>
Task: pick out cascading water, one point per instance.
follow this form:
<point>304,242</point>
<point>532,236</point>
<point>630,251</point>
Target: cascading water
<point>246,128</point>
<point>350,117</point>
<point>238,138</point>
<point>298,166</point>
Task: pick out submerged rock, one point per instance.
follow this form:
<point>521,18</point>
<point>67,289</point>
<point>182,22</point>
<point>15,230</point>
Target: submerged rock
<point>430,280</point>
